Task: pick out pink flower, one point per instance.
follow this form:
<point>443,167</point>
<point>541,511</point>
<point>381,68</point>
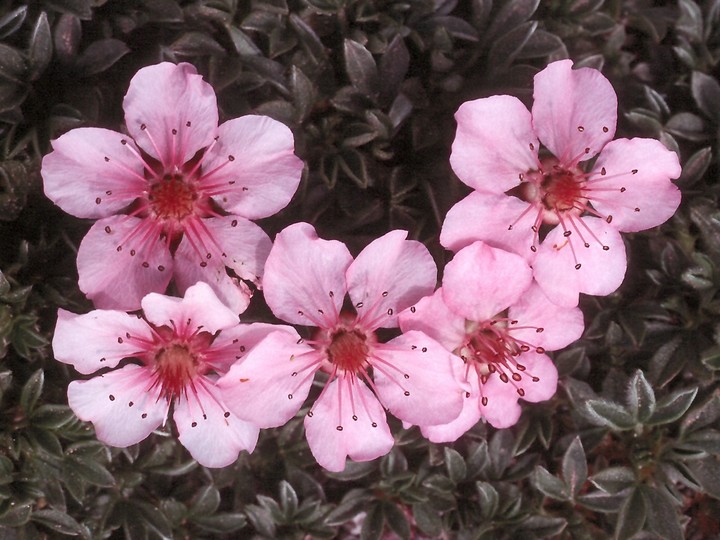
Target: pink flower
<point>306,280</point>
<point>492,315</point>
<point>174,198</point>
<point>585,205</point>
<point>176,349</point>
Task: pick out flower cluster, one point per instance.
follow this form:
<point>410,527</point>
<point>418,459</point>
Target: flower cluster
<point>174,197</point>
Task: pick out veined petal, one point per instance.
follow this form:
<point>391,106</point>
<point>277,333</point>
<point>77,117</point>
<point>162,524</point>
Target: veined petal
<point>98,339</point>
<point>498,219</point>
<point>414,378</point>
<point>389,275</point>
<point>252,170</point>
<point>347,420</point>
<point>432,316</point>
<point>199,308</point>
<point>190,269</point>
<point>502,409</point>
<point>115,279</point>
<point>268,386</point>
<point>541,367</point>
<point>575,111</point>
<point>469,415</point>
<point>213,436</point>
<point>482,281</point>
<point>304,281</point>
<point>635,188</point>
<point>494,143</point>
<point>534,310</point>
<point>91,174</point>
<point>601,271</point>
<point>123,405</point>
<point>167,97</point>
<point>232,344</point>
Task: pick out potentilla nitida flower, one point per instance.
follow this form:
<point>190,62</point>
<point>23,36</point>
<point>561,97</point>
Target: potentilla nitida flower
<point>305,283</point>
<point>580,199</point>
<point>174,197</point>
<point>171,357</point>
<point>492,315</point>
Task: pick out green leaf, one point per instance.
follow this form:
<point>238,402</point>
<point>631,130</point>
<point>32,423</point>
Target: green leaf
<point>153,518</point>
<point>16,515</point>
<point>640,397</point>
<point>360,68</point>
<point>544,526</point>
<point>706,91</point>
<point>510,16</point>
<point>631,517</point>
<point>427,519</point>
<point>672,406</point>
<point>549,485</point>
<point>614,479</point>
<point>455,465</point>
<point>599,501</point>
<point>288,499</point>
<point>704,415</point>
<point>12,21</point>
<point>309,40</point>
<point>31,391</point>
<point>40,48</point>
<point>396,520</point>
<point>100,55</point>
<point>52,416</point>
<point>690,22</point>
<point>261,520</point>
<point>488,498</point>
<point>662,514</point>
<point>695,167</point>
<point>59,522</point>
<point>373,524</point>
<point>206,503</point>
<point>574,467</point>
<point>90,470</point>
<point>505,49</point>
<point>707,473</point>
<point>222,523</point>
<point>608,413</point>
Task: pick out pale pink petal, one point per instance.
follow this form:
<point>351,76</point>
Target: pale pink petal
<point>537,366</point>
<point>468,417</point>
<point>494,144</point>
<point>575,111</point>
<point>232,344</point>
<point>601,271</point>
<point>502,409</point>
<point>167,97</point>
<point>198,309</point>
<point>560,325</point>
<point>304,281</point>
<point>414,378</point>
<point>500,220</point>
<point>432,316</point>
<point>123,405</point>
<point>115,279</point>
<point>232,292</point>
<point>91,174</point>
<point>213,436</point>
<point>253,166</point>
<point>636,189</point>
<point>482,281</point>
<point>268,386</point>
<point>347,420</point>
<point>98,339</point>
<point>389,275</point>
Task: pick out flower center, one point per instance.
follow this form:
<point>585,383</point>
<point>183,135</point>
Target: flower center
<point>348,350</point>
<point>175,367</point>
<point>172,198</point>
<point>561,190</point>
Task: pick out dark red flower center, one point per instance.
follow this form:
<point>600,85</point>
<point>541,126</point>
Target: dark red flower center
<point>348,350</point>
<point>175,368</point>
<point>172,197</point>
<point>561,190</point>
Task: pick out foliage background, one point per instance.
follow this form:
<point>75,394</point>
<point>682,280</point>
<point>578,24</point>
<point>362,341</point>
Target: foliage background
<point>629,445</point>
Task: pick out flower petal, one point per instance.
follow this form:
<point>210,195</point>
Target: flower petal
<point>97,340</point>
<point>494,143</point>
<point>253,166</point>
<point>502,409</point>
<point>115,279</point>
<point>199,308</point>
<point>537,366</point>
<point>482,281</point>
<point>304,281</point>
<point>500,220</point>
<point>636,189</point>
<point>91,174</point>
<point>123,405</point>
<point>600,273</point>
<point>468,417</point>
<point>575,111</point>
<point>213,436</point>
<point>390,275</point>
<point>414,378</point>
<point>534,310</point>
<point>347,420</point>
<point>268,386</point>
<point>232,344</point>
<point>167,97</point>
<point>432,316</point>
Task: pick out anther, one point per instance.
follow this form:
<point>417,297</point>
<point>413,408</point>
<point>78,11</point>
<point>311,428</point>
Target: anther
<point>413,310</point>
<point>539,330</point>
<point>227,414</point>
<point>581,129</point>
<point>622,190</point>
<point>359,305</point>
<point>578,266</point>
<point>609,219</point>
<point>161,268</point>
<point>605,129</point>
<point>586,244</point>
<point>535,379</point>
<point>118,249</point>
<point>533,249</point>
<point>540,350</point>
<point>406,393</point>
<point>603,171</point>
<point>606,248</point>
<point>143,127</point>
<point>107,159</point>
<point>131,404</point>
<point>406,375</point>
<point>637,209</point>
<point>132,252</point>
<point>144,415</point>
<point>384,294</point>
<point>634,171</point>
<point>374,424</point>
<point>520,392</point>
<point>120,340</point>
<point>231,158</point>
<point>516,377</point>
<point>424,349</point>
<point>331,294</point>
<point>390,311</point>
<point>467,394</point>
<point>98,200</point>
<point>290,396</point>
<point>520,367</point>
<point>108,229</point>
<point>301,313</point>
<point>203,264</point>
<point>233,223</point>
<point>567,233</point>
<point>587,150</point>
<point>354,417</point>
<point>188,124</point>
<point>194,424</point>
<point>504,377</point>
<point>123,141</point>
<point>112,398</point>
<point>146,264</point>
<point>174,131</point>
<point>485,401</point>
<point>339,428</point>
<point>532,146</point>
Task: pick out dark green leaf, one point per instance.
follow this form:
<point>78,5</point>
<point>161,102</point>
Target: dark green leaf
<point>309,40</point>
<point>396,520</point>
<point>90,470</point>
<point>640,397</point>
<point>608,413</point>
<point>541,44</point>
<point>206,503</point>
<point>373,524</point>
<point>11,21</point>
<point>427,519</point>
<point>100,55</point>
<point>662,516</point>
<point>196,44</point>
<point>59,522</point>
<point>695,167</point>
<point>488,499</point>
<point>504,49</point>
<point>707,473</point>
<point>544,526</point>
<point>510,16</point>
<point>614,479</point>
<point>222,523</point>
<point>288,499</point>
<point>706,91</point>
<point>599,501</point>
<point>31,391</point>
<point>261,520</point>
<point>360,68</point>
<point>690,22</point>
<point>40,48</point>
<point>52,416</point>
<point>549,485</point>
<point>78,8</point>
<point>631,517</point>
<point>153,518</point>
<point>574,467</point>
<point>16,515</point>
<point>67,37</point>
<point>672,406</point>
<point>455,465</point>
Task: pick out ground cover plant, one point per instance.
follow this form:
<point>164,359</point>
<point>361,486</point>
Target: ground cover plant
<point>471,246</point>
